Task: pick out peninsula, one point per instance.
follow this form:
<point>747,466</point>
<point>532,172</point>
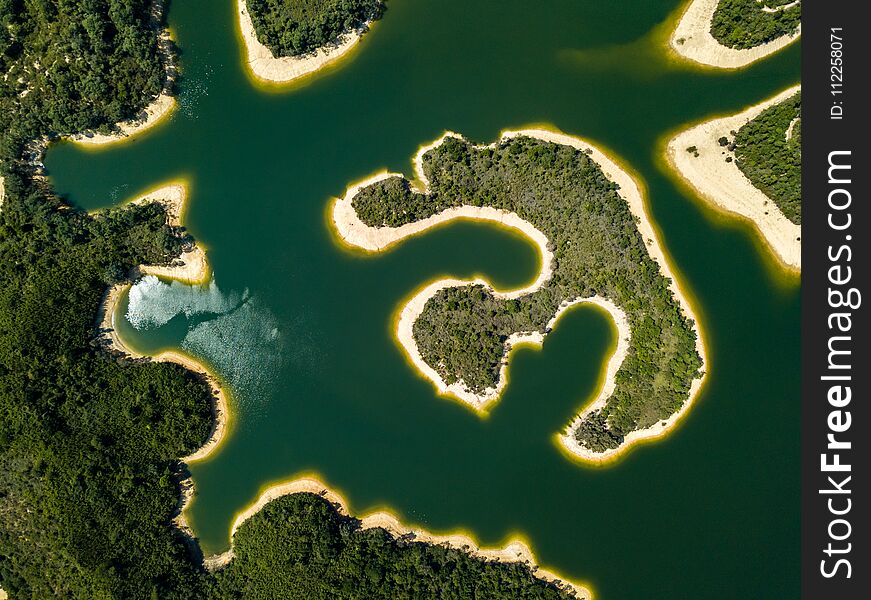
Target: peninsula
<point>586,214</point>
<point>513,563</point>
<point>730,34</point>
<point>749,164</point>
<point>285,41</point>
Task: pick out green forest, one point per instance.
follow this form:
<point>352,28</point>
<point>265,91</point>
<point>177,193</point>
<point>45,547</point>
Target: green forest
<point>770,159</point>
<point>89,442</point>
<point>301,544</point>
<point>745,23</point>
<point>597,250</point>
<point>297,27</point>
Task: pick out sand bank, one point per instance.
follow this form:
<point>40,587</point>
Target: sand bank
<point>692,40</point>
<point>153,114</point>
<point>515,551</point>
<point>724,185</point>
<point>356,233</point>
<point>265,66</point>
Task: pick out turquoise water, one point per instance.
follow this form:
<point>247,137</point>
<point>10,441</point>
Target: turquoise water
<point>302,328</point>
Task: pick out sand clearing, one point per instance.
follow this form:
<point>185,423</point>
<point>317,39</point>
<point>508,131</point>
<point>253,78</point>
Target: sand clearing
<point>265,66</point>
<point>692,40</point>
<point>356,233</point>
<point>726,187</point>
<point>514,551</point>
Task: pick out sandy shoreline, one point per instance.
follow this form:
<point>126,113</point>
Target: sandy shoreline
<point>195,271</point>
<point>356,233</point>
<point>514,551</point>
<point>283,69</point>
<point>698,45</point>
<point>153,114</point>
<point>723,184</point>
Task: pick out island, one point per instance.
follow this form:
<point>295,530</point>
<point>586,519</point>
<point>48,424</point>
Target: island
<point>749,164</point>
<point>93,438</point>
<point>731,34</point>
<point>285,41</point>
<point>586,214</point>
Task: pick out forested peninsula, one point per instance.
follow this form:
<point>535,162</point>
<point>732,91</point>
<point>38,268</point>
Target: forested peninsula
<point>731,34</point>
<point>594,252</point>
<point>89,441</point>
<point>297,27</point>
<point>285,40</point>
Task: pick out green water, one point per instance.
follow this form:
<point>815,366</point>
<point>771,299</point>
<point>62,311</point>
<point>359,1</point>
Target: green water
<point>321,386</point>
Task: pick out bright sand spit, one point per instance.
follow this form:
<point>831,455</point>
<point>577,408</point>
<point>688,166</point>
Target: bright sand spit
<point>725,186</point>
<point>357,234</point>
<point>152,115</point>
<point>514,551</point>
<point>698,45</point>
<point>265,66</point>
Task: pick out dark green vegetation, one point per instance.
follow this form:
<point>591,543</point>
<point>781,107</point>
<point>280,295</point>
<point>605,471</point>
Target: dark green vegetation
<point>89,442</point>
<point>770,160</point>
<point>301,546</point>
<point>295,27</point>
<point>744,24</point>
<point>597,249</point>
<point>74,66</point>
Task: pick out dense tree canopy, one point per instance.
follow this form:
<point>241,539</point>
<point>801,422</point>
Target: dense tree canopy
<point>768,151</point>
<point>300,546</point>
<point>295,27</point>
<point>89,442</point>
<point>597,250</point>
<point>748,23</point>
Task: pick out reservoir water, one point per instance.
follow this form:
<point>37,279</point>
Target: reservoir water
<point>301,329</point>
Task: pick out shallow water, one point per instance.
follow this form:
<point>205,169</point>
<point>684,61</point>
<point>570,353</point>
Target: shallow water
<point>301,328</point>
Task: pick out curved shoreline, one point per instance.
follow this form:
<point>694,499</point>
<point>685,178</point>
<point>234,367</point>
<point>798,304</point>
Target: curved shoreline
<point>724,186</point>
<point>265,66</point>
<point>152,115</point>
<point>155,113</point>
<point>514,551</point>
<point>173,196</point>
<point>699,46</point>
<point>193,270</point>
<point>356,233</point>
